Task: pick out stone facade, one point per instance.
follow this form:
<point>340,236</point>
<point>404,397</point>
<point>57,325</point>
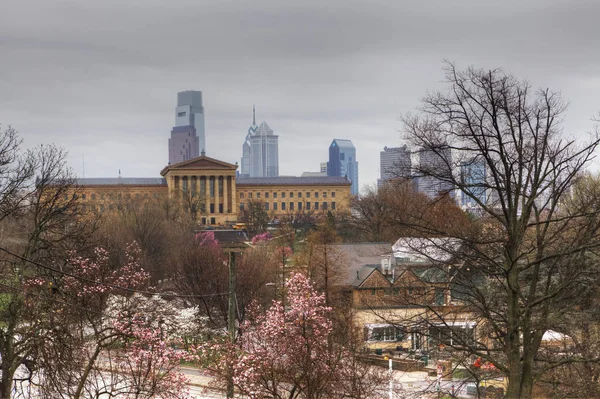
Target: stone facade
<point>219,195</point>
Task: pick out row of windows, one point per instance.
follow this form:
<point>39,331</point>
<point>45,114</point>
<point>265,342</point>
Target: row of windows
<point>291,194</point>
<point>275,206</point>
<point>111,196</point>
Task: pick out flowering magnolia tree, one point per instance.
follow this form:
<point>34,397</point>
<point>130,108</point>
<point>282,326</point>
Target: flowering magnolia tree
<point>289,352</point>
<point>95,338</point>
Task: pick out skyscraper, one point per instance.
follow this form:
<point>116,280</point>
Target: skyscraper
<point>473,175</point>
<point>342,162</point>
<point>260,151</point>
<point>394,162</point>
<point>433,166</point>
<point>245,167</point>
<point>187,136</point>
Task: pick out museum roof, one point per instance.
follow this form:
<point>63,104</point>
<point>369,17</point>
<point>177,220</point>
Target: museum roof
<point>293,181</point>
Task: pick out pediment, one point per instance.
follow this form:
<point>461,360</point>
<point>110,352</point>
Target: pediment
<point>201,163</point>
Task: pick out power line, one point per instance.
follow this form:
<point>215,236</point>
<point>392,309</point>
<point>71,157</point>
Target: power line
<point>115,286</point>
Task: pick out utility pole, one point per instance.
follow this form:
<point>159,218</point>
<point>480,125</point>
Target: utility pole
<point>231,317</point>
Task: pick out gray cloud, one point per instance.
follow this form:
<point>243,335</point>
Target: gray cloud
<point>100,77</point>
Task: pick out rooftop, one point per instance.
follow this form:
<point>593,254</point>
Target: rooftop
<point>131,181</point>
<point>293,181</point>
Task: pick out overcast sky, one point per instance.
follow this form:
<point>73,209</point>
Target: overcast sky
<point>100,77</point>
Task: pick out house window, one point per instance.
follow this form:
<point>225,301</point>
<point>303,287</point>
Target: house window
<point>266,195</point>
<point>274,206</point>
<point>324,195</point>
<point>257,195</point>
<point>333,206</point>
<point>316,206</point>
<point>292,195</point>
<point>283,206</point>
<point>316,195</point>
<point>299,194</point>
<point>241,195</point>
<point>308,206</point>
<point>291,206</point>
<point>249,195</point>
<point>282,195</point>
<point>299,206</point>
<point>384,333</point>
<point>324,206</point>
<point>274,195</point>
<point>372,292</point>
<point>308,194</point>
<point>333,194</point>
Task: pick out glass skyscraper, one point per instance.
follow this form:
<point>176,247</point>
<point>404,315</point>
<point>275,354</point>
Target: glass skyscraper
<point>342,162</point>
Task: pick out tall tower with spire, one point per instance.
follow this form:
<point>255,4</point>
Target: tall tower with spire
<point>260,151</point>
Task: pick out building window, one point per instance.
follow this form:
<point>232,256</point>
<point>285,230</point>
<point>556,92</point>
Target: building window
<point>212,208</point>
<point>308,206</point>
<point>274,195</point>
<point>93,196</point>
<point>291,195</point>
<point>65,197</point>
<point>266,195</point>
<point>266,206</point>
<point>299,194</point>
<point>282,195</point>
<point>308,194</point>
<point>316,195</point>
<point>299,206</point>
<point>274,206</point>
<point>333,206</point>
<point>316,206</point>
<point>257,195</point>
<point>83,196</point>
<point>385,333</point>
<point>211,187</point>
<point>333,194</point>
<point>213,221</point>
<point>283,206</point>
<point>220,208</point>
<point>324,206</point>
<point>372,292</point>
<point>137,196</point>
<point>241,195</point>
<point>291,206</point>
<point>221,188</point>
<point>241,206</point>
<point>181,113</point>
<point>101,207</point>
<point>324,195</point>
<point>249,195</point>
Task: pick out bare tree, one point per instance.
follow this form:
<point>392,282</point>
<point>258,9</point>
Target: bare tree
<point>42,223</point>
<point>528,259</point>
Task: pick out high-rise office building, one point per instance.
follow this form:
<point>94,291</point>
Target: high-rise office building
<point>394,162</point>
<point>433,166</point>
<point>187,136</point>
<point>473,176</point>
<point>342,162</point>
<point>260,151</point>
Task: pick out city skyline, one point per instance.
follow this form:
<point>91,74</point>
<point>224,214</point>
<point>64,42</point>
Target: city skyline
<point>103,91</point>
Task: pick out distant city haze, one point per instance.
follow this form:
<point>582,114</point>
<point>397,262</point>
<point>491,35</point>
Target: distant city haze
<point>101,79</point>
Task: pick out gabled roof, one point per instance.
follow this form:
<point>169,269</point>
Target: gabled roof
<point>201,163</point>
<point>375,279</point>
